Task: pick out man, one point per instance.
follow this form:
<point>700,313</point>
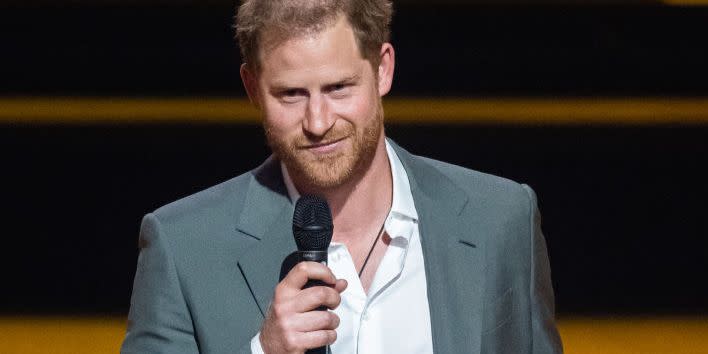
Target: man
<point>425,256</point>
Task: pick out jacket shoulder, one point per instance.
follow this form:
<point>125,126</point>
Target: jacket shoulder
<point>500,209</point>
<point>204,221</point>
<point>484,187</point>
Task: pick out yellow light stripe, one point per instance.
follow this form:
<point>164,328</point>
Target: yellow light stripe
<point>117,110</point>
<point>525,111</point>
<point>580,335</point>
<point>35,335</point>
<point>634,335</point>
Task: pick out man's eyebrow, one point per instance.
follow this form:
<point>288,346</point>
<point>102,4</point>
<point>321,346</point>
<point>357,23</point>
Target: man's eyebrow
<point>282,86</point>
<point>348,79</point>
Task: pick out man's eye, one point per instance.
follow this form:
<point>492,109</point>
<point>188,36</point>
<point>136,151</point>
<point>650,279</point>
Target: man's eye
<point>291,95</point>
<point>339,89</point>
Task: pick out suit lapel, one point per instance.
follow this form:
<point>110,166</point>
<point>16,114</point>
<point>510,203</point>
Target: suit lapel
<point>453,256</point>
<point>266,219</point>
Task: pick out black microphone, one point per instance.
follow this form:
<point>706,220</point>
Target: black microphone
<point>312,229</point>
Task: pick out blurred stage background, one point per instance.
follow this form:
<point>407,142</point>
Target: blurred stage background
<point>109,109</point>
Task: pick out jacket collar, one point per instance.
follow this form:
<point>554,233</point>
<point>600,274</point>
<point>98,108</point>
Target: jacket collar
<point>266,218</point>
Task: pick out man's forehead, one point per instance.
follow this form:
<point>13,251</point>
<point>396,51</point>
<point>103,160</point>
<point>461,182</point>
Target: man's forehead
<point>275,76</point>
<point>273,39</point>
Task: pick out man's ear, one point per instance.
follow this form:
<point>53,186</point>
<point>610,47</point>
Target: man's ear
<point>387,63</point>
<point>250,83</point>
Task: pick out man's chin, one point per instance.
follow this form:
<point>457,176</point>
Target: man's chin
<point>323,174</point>
<point>319,171</point>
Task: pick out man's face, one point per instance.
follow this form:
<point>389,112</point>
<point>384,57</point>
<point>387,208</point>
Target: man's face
<point>321,106</point>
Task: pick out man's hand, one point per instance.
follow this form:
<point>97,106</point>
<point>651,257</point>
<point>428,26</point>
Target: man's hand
<point>292,324</point>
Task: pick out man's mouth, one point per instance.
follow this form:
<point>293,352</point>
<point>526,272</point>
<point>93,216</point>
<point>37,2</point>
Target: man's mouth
<point>325,146</point>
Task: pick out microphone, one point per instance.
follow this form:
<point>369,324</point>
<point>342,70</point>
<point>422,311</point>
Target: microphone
<point>312,229</point>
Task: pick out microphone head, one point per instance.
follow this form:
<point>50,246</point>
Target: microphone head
<point>312,224</point>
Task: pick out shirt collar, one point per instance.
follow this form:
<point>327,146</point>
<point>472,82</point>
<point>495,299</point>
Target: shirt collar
<point>402,203</point>
<point>292,191</point>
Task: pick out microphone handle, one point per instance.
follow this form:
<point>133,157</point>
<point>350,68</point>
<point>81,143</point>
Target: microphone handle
<point>320,257</point>
<point>313,256</point>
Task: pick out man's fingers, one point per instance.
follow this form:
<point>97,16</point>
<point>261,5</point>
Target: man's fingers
<point>292,321</point>
<point>340,285</point>
<point>315,321</point>
<point>318,339</point>
<point>311,298</point>
<point>304,271</point>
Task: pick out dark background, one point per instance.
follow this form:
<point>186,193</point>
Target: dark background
<point>623,204</point>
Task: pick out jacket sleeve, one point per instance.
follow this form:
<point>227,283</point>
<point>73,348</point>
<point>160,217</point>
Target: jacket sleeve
<point>159,320</point>
<point>545,335</point>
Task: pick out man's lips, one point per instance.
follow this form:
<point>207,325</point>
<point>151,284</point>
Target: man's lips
<point>323,147</point>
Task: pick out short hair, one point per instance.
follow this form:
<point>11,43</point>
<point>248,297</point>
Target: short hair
<point>281,20</point>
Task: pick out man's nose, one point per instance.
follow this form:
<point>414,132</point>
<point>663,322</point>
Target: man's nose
<point>318,119</point>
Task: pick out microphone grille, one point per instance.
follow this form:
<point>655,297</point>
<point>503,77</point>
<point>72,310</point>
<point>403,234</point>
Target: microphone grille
<point>312,223</point>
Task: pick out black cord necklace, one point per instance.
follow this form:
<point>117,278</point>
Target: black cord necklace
<point>372,246</point>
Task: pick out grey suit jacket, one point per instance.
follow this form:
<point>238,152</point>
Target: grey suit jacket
<point>209,263</point>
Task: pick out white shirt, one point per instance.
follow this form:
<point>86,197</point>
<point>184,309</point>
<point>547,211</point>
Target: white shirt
<point>394,317</point>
